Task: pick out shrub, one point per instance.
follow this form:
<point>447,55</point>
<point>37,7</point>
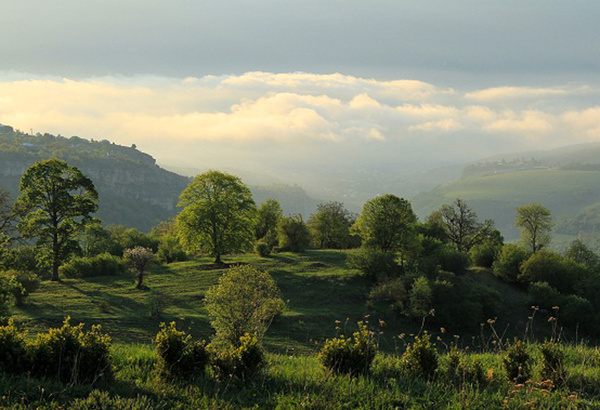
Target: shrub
<point>240,362</point>
<point>263,249</point>
<point>27,283</point>
<point>453,260</point>
<point>389,295</point>
<point>485,254</point>
<point>518,362</point>
<point>509,262</point>
<point>374,263</point>
<point>157,304</point>
<point>421,358</point>
<point>178,354</point>
<point>13,349</point>
<point>543,295</point>
<point>170,250</point>
<point>72,355</point>
<point>421,297</point>
<point>561,273</point>
<point>577,310</point>
<point>353,355</point>
<point>99,265</point>
<point>293,233</point>
<point>244,301</point>
<point>553,368</point>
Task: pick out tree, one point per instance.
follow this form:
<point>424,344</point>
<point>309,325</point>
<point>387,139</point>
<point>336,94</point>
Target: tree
<point>266,222</point>
<point>57,200</point>
<point>244,301</point>
<point>462,226</point>
<point>218,215</point>
<point>139,259</point>
<point>293,233</point>
<point>387,223</point>
<point>535,223</point>
<point>580,253</point>
<point>330,225</point>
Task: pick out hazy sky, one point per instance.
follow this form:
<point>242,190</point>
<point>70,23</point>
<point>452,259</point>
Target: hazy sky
<point>278,84</point>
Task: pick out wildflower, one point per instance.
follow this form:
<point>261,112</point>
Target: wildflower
<point>401,336</point>
<point>338,321</point>
<point>382,323</point>
<point>551,319</point>
<point>555,308</point>
<point>443,330</point>
<point>491,321</point>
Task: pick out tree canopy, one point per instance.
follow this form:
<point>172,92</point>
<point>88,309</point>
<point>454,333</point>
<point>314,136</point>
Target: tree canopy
<point>462,226</point>
<point>535,222</point>
<point>330,225</point>
<point>57,201</point>
<point>218,216</point>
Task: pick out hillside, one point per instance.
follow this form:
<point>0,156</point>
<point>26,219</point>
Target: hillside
<point>568,184</point>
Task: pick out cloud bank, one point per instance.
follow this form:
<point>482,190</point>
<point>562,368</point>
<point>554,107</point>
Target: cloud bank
<point>302,120</point>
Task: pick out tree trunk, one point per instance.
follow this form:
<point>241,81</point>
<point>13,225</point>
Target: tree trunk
<point>218,260</point>
<point>140,280</point>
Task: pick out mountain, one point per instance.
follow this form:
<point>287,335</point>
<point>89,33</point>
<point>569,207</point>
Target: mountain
<point>566,181</point>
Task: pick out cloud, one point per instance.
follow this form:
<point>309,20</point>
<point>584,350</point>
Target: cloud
<point>293,114</point>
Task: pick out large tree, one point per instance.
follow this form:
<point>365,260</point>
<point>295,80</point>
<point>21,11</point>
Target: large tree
<point>330,225</point>
<point>218,215</point>
<point>535,222</point>
<point>57,200</point>
<point>387,223</point>
<point>462,226</point>
<point>269,214</point>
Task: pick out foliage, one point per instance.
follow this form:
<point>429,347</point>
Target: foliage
<point>461,225</point>
<point>72,355</point>
<point>25,284</point>
<point>452,259</point>
<point>387,223</point>
<point>139,259</point>
<point>553,363</point>
<point>98,265</point>
<point>543,295</point>
<point>293,234</point>
<point>263,249</point>
<point>486,253</point>
<point>518,362</point>
<point>353,355</point>
<point>178,354</point>
<point>508,265</point>
<point>535,223</point>
<point>546,266</point>
<point>580,253</point>
<point>8,287</point>
<point>169,247</point>
<point>375,264</point>
<point>157,303</point>
<point>244,301</point>
<point>14,357</point>
<point>218,215</point>
<point>390,294</point>
<point>420,297</point>
<point>268,216</point>
<point>421,358</point>
<point>577,311</point>
<point>23,258</point>
<point>58,200</point>
<point>240,361</point>
<point>330,225</point>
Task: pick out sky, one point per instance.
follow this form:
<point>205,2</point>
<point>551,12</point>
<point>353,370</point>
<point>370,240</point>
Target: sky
<point>291,89</point>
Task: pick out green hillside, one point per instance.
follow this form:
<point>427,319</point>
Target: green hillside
<point>566,192</point>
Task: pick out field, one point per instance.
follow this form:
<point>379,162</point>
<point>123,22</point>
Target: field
<point>319,290</point>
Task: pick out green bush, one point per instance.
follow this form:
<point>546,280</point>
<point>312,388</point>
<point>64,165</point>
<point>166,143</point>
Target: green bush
<point>72,355</point>
<point>353,355</point>
<point>99,265</point>
<point>421,358</point>
<point>178,354</point>
<point>507,267</point>
<point>263,249</point>
<point>485,254</point>
<point>374,263</point>
<point>543,295</point>
<point>561,273</point>
<point>170,250</point>
<point>420,298</point>
<point>452,260</point>
<point>27,283</point>
<point>14,356</point>
<point>241,362</point>
<point>553,368</point>
<point>578,311</point>
<point>388,295</point>
<point>518,362</point>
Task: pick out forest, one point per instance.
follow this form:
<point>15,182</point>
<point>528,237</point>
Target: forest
<point>234,304</point>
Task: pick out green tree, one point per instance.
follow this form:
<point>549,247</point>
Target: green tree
<point>580,253</point>
<point>387,223</point>
<point>58,200</point>
<point>244,301</point>
<point>293,233</point>
<point>139,259</point>
<point>462,226</point>
<point>330,225</point>
<point>269,213</point>
<point>535,223</point>
<point>508,264</point>
<point>218,216</point>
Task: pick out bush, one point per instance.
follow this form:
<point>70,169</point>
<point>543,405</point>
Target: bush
<point>293,234</point>
<point>388,295</point>
<point>485,254</point>
<point>507,267</point>
<point>99,265</point>
<point>170,250</point>
<point>543,295</point>
<point>553,367</point>
<point>421,358</point>
<point>453,260</point>
<point>27,283</point>
<point>240,362</point>
<point>72,355</point>
<point>421,297</point>
<point>459,370</point>
<point>178,354</point>
<point>518,362</point>
<point>578,311</point>
<point>561,273</point>
<point>353,355</point>
<point>374,263</point>
<point>13,349</point>
<point>263,249</point>
<point>157,304</point>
